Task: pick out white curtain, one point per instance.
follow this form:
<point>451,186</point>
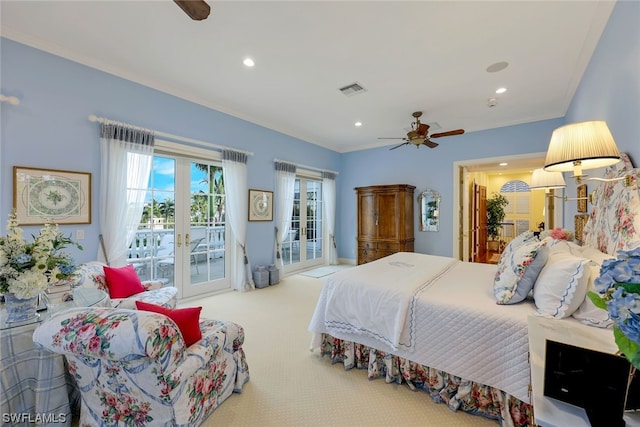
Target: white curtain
<point>329,200</point>
<point>234,168</point>
<point>285,186</point>
<point>126,159</point>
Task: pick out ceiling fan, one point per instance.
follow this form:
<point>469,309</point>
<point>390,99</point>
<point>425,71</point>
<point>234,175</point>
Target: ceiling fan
<point>419,134</point>
<point>196,9</point>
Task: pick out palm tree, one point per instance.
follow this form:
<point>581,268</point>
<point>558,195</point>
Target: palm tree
<point>167,210</point>
<point>215,178</point>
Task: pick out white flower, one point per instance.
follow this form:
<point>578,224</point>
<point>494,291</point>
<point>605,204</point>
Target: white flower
<point>3,258</point>
<point>28,284</point>
<point>27,268</point>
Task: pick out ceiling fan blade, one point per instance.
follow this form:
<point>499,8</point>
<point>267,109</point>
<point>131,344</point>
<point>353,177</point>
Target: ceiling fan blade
<point>390,138</point>
<point>422,129</point>
<point>400,145</point>
<point>450,133</point>
<point>196,9</point>
<point>430,143</point>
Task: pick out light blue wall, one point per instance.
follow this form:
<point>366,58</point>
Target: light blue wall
<point>430,168</point>
<point>610,88</point>
<point>50,129</point>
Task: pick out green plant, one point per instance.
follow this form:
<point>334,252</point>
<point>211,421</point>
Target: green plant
<point>495,214</point>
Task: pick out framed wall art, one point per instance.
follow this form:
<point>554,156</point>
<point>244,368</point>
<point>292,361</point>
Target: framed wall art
<point>582,198</point>
<point>260,205</point>
<point>64,197</point>
<point>580,222</point>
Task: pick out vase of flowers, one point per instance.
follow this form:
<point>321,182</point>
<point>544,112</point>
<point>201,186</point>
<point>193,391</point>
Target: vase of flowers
<point>28,268</point>
<point>618,289</point>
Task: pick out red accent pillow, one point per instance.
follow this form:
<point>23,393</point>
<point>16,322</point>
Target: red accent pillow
<point>122,281</point>
<point>187,319</point>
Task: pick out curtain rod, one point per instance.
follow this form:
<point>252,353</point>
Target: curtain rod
<point>306,167</point>
<point>94,118</point>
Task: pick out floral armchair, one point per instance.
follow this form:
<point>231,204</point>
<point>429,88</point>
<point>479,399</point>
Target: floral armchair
<point>132,367</point>
<point>92,274</point>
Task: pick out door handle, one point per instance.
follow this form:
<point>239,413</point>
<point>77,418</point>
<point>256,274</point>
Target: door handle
<point>187,239</point>
<point>179,240</point>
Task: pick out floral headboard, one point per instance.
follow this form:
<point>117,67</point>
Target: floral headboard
<point>614,221</point>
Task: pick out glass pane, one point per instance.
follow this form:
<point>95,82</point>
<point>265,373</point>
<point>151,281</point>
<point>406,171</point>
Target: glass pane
<point>151,251</point>
<point>314,220</point>
<point>291,245</point>
<point>207,248</point>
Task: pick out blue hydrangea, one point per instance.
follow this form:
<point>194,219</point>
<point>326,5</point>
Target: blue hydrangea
<point>624,269</point>
<point>623,309</point>
<point>23,259</point>
<point>623,306</point>
<point>66,269</point>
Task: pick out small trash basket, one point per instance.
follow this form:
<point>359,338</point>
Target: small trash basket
<point>261,276</point>
<point>274,275</point>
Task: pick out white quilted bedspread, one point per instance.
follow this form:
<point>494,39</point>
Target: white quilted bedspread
<point>458,328</point>
<point>382,311</point>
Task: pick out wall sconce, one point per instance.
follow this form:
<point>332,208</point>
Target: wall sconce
<point>580,146</point>
<point>543,180</point>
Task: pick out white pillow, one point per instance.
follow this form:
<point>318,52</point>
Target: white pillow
<point>588,313</point>
<point>562,284</point>
<point>595,255</point>
<point>518,269</point>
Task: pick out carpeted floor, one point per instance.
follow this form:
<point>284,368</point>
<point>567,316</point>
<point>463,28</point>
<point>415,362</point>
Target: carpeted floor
<point>291,386</point>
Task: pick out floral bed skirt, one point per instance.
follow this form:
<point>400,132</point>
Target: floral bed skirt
<point>457,393</point>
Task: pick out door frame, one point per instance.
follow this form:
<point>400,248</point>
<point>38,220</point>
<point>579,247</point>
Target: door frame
<point>460,198</point>
<point>306,175</point>
<point>189,154</point>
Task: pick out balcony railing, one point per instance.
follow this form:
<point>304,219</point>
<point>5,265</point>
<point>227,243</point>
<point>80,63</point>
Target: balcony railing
<point>150,246</point>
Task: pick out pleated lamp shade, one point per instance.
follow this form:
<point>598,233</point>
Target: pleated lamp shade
<point>585,145</point>
<point>543,180</point>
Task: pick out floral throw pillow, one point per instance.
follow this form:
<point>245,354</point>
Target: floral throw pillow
<point>518,270</point>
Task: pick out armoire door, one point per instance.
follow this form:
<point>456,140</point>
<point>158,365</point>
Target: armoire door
<point>386,215</point>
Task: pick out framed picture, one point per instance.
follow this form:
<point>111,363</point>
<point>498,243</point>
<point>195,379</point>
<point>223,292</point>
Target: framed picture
<point>582,198</point>
<point>63,197</point>
<point>260,205</point>
<point>580,222</point>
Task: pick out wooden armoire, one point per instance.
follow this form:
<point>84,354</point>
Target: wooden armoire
<point>385,220</point>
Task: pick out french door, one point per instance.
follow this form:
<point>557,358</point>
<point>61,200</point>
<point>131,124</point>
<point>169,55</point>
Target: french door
<point>181,237</point>
<point>303,247</point>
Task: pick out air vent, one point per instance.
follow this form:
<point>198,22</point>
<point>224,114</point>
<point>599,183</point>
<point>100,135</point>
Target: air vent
<point>352,89</point>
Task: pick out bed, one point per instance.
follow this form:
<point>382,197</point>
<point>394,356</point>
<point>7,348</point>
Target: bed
<point>458,330</point>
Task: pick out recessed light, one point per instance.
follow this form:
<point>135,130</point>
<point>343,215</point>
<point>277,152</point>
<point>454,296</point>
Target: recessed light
<point>358,124</point>
<point>501,90</point>
<point>248,62</point>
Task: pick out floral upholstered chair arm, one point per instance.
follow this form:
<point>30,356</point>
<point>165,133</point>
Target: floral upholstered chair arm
<point>151,285</point>
<point>91,274</point>
<point>113,334</point>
